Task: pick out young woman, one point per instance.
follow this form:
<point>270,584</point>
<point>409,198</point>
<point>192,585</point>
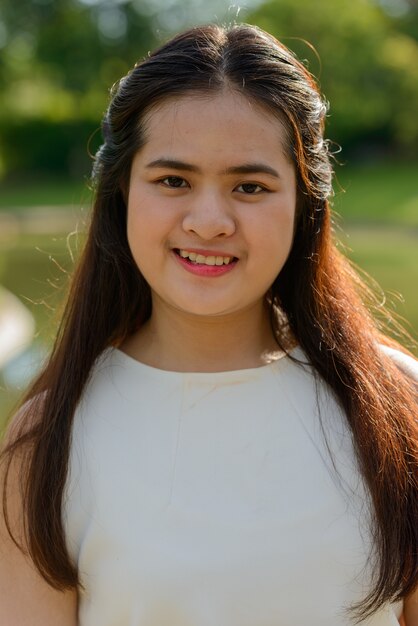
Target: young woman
<point>222,435</point>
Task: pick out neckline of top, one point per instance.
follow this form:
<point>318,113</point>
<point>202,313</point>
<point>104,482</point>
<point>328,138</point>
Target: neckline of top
<point>249,373</point>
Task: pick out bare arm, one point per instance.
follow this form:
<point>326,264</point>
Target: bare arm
<point>410,611</point>
<point>25,598</point>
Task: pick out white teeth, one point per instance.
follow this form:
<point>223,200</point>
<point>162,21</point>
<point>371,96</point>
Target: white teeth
<point>205,260</point>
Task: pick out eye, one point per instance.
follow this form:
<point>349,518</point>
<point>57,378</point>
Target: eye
<point>174,182</point>
<point>250,188</point>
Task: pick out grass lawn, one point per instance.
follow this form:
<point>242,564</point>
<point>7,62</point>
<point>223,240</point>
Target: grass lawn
<point>385,193</point>
<point>388,255</point>
<point>54,192</point>
<point>378,193</point>
<point>379,214</point>
<point>34,267</point>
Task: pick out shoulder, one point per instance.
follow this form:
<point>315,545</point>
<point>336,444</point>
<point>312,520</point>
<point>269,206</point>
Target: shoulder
<point>406,363</point>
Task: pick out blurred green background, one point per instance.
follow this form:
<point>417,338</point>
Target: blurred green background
<point>58,59</point>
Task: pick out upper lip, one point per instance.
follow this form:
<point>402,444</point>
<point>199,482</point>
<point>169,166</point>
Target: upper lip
<point>207,252</point>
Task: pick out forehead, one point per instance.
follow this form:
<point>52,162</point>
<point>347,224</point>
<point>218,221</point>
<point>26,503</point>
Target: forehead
<point>211,123</point>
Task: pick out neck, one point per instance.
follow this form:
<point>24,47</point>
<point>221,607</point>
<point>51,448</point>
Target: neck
<point>178,341</point>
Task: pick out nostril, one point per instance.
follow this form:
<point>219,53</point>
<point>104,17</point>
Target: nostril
<point>208,226</point>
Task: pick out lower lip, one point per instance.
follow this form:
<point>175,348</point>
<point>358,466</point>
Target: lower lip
<point>205,270</point>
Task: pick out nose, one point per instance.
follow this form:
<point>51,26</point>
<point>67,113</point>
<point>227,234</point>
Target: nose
<point>209,216</point>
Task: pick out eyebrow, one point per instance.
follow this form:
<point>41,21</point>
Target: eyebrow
<point>245,168</point>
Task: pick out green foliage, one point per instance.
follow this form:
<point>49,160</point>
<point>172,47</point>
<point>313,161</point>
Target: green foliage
<point>38,145</point>
<point>366,62</point>
<point>58,59</point>
<point>74,45</point>
<point>57,64</point>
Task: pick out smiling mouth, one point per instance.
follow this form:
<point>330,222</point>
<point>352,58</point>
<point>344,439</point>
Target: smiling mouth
<point>200,259</point>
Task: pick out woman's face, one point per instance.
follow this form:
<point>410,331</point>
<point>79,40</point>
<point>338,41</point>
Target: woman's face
<point>211,204</point>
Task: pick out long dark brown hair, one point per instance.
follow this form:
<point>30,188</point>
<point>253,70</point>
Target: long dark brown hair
<point>317,291</point>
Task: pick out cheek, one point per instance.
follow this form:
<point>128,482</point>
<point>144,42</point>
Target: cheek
<point>148,232</point>
<point>139,235</point>
<point>142,222</point>
<point>273,231</point>
<point>274,247</point>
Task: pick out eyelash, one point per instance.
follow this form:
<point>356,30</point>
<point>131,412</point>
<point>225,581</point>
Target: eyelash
<point>255,193</point>
<point>163,181</point>
<point>172,178</point>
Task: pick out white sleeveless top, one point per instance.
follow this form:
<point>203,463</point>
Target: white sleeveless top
<point>212,499</point>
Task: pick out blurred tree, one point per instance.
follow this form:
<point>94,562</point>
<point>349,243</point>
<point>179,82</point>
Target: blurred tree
<point>366,61</point>
<point>404,13</point>
<point>74,48</point>
<point>80,47</point>
<point>58,59</point>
